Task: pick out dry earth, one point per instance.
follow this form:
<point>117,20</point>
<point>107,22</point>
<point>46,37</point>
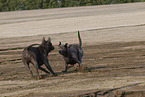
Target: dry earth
<point>113,43</point>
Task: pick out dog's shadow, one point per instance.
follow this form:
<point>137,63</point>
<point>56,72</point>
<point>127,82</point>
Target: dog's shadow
<point>82,70</point>
<point>44,76</point>
<point>95,68</point>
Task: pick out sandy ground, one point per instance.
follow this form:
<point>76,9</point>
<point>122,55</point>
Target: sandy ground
<point>113,43</point>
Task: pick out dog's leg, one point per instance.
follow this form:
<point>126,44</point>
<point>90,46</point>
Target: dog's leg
<point>35,64</point>
<point>28,68</point>
<point>66,67</point>
<point>72,65</point>
<point>46,62</point>
<point>49,68</point>
<point>44,70</point>
<point>78,61</point>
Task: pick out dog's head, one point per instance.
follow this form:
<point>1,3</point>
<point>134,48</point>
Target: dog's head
<point>62,48</point>
<point>47,45</point>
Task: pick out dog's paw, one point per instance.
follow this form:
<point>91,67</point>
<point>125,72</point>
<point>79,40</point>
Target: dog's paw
<point>64,71</point>
<point>55,74</point>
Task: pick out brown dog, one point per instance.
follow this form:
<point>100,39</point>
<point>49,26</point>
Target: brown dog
<point>38,56</point>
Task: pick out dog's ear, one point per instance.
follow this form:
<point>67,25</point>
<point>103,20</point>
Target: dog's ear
<point>59,43</point>
<point>43,40</point>
<point>49,40</point>
<point>65,45</point>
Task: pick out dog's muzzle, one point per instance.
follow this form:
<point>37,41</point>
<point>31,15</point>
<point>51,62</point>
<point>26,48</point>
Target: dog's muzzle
<point>60,51</point>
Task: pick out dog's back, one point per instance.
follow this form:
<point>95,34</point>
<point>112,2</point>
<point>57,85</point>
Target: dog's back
<point>29,52</point>
<point>75,50</point>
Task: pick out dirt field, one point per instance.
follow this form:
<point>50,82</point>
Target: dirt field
<point>113,43</point>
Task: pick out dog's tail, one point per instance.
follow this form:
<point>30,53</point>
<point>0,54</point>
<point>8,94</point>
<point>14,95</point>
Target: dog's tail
<point>27,48</point>
<point>80,41</point>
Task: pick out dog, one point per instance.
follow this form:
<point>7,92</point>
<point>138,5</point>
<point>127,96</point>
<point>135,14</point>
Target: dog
<point>38,56</point>
<point>72,54</point>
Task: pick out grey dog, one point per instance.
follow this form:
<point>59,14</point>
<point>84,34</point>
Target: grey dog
<point>38,56</point>
<point>72,54</point>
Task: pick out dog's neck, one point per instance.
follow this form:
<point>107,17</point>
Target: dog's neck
<point>45,51</point>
